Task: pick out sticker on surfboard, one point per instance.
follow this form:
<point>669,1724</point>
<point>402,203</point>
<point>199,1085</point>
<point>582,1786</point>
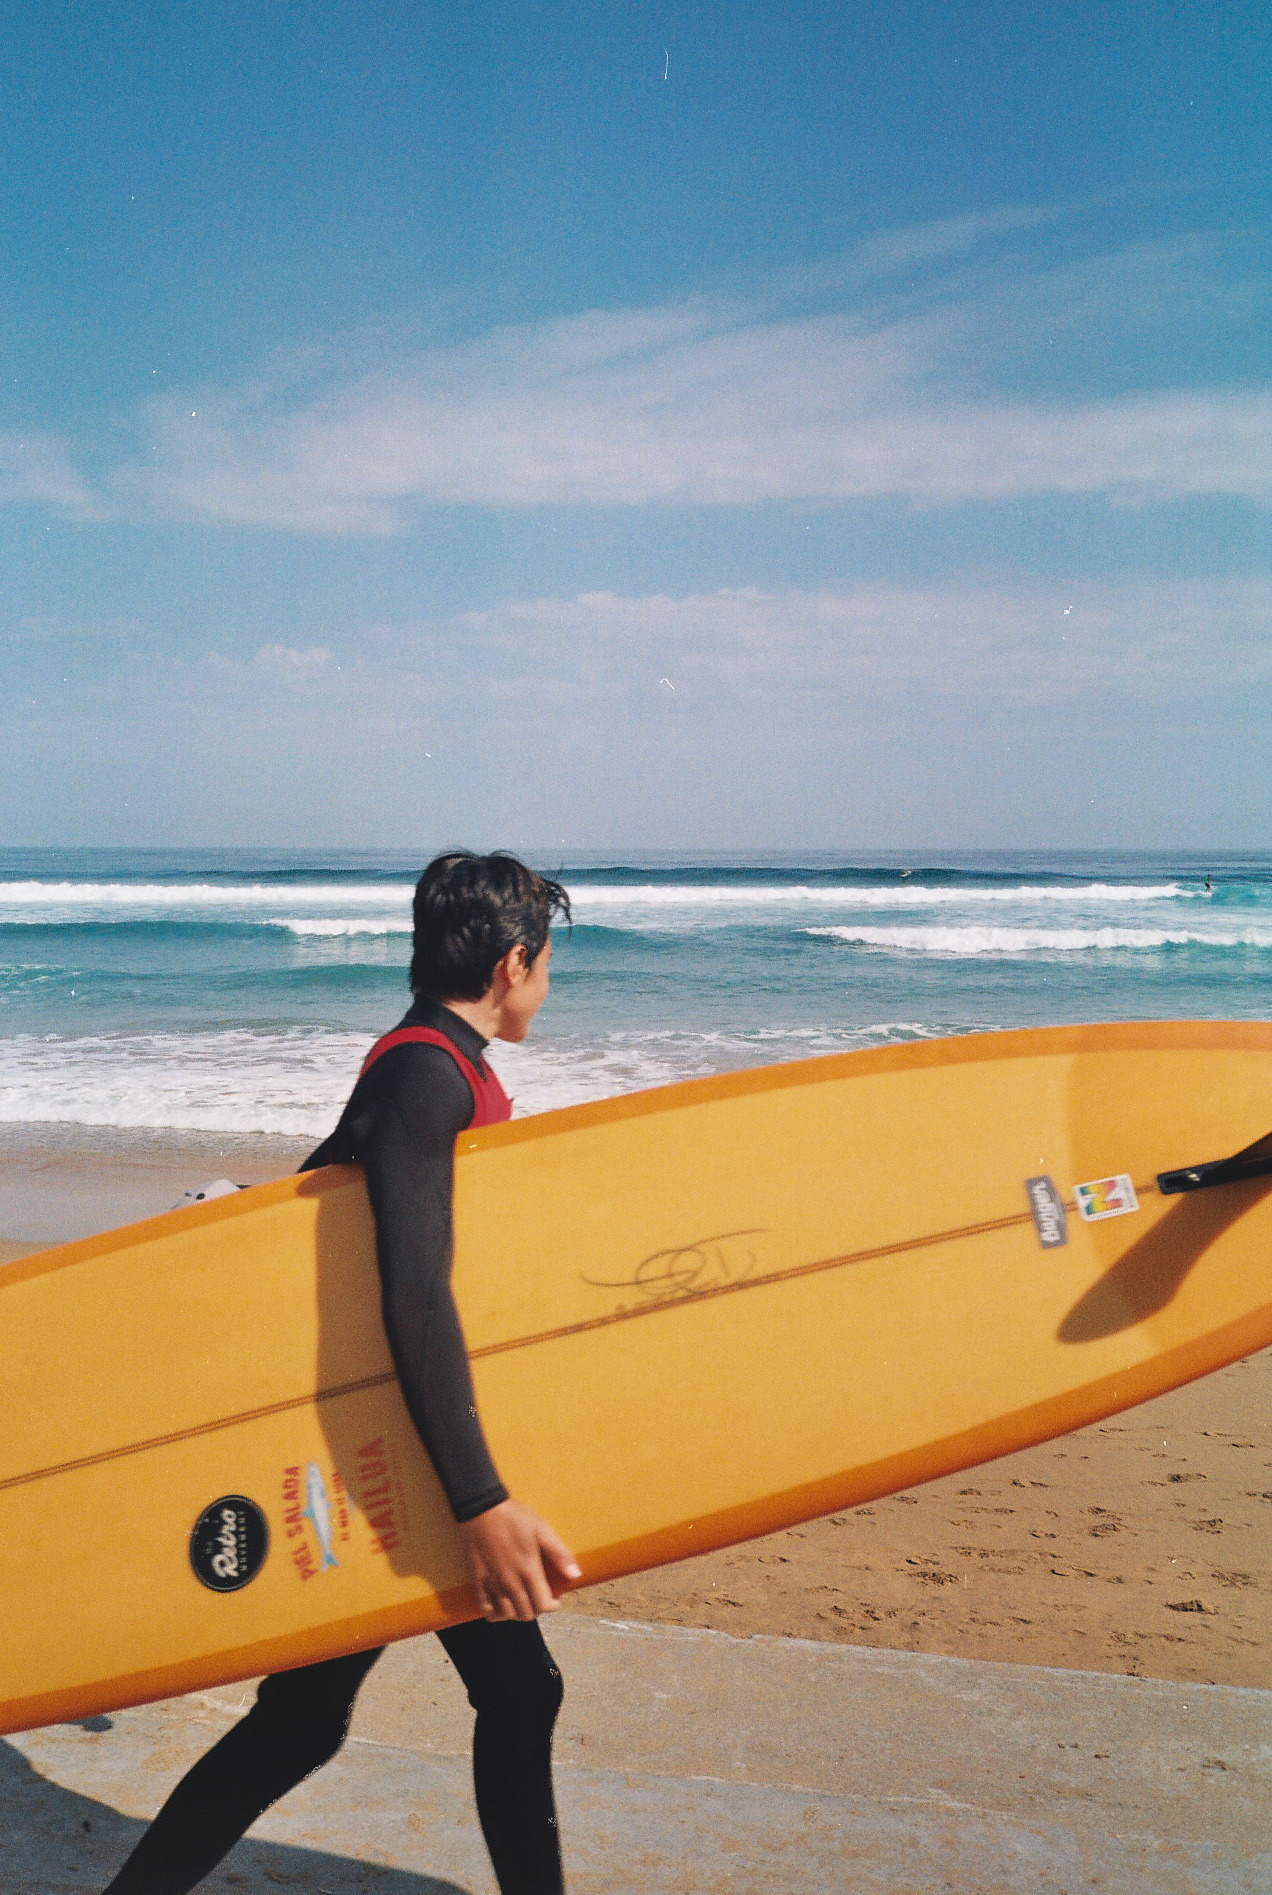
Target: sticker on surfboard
<point>229,1543</point>
<point>1105,1197</point>
<point>1047,1206</point>
<point>312,1518</point>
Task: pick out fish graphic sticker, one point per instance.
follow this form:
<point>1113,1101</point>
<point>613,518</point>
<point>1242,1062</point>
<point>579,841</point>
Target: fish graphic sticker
<point>318,1510</point>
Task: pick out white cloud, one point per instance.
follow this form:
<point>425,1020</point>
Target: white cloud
<point>789,659</point>
<point>970,709</point>
<point>931,397</point>
<point>683,409</point>
<point>947,237</point>
<point>966,638</point>
<point>786,654</point>
<point>294,662</point>
<point>35,469</point>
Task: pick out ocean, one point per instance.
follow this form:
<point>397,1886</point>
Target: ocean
<point>238,992</point>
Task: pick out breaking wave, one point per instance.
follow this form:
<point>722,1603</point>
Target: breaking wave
<point>1010,941</point>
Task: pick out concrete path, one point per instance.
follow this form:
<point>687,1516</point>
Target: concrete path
<point>690,1763</point>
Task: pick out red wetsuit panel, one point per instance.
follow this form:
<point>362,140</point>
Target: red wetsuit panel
<point>491,1104</point>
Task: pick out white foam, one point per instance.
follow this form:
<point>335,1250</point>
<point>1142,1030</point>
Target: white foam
<point>295,1081</point>
<point>365,908</point>
<point>907,895</point>
<point>1006,941</point>
<point>203,895</point>
<point>543,1075</point>
<point>338,926</point>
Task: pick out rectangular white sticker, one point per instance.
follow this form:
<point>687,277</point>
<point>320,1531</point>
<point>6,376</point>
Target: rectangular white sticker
<point>1106,1197</point>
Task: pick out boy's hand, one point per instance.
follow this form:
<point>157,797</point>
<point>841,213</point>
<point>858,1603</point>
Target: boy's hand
<point>519,1566</point>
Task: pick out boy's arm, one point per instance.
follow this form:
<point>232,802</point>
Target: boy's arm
<point>408,1158</point>
<point>519,1565</point>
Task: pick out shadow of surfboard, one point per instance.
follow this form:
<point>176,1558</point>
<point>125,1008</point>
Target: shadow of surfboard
<point>56,1839</point>
<point>1148,1276</point>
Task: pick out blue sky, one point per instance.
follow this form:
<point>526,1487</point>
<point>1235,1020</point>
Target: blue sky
<point>629,425</point>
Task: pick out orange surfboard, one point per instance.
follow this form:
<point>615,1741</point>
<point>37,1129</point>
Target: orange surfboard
<point>695,1314</point>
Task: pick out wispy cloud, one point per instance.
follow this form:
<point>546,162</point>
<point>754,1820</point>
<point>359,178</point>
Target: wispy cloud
<point>946,237</point>
<point>876,711</point>
<point>37,470</point>
<point>964,638</point>
<point>791,657</point>
<point>948,395</point>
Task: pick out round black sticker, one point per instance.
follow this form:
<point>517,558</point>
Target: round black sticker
<point>229,1543</point>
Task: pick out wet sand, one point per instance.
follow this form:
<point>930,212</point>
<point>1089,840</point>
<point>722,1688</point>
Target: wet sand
<point>1141,1545</point>
<point>58,1182</point>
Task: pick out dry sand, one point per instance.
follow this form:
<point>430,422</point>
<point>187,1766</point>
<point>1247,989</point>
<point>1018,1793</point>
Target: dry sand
<point>1141,1545</point>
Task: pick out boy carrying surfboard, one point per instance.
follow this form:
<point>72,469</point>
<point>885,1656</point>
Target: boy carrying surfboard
<point>479,971</point>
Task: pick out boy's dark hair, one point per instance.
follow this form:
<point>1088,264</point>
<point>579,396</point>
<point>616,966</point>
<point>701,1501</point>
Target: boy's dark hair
<point>471,910</point>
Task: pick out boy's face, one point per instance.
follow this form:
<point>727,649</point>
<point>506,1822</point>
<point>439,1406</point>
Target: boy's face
<point>526,992</point>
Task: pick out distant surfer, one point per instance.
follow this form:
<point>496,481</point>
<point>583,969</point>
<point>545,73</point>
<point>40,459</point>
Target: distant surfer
<point>1208,885</point>
<point>479,971</point>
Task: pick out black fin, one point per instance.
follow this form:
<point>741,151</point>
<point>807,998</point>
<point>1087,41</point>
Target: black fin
<point>1254,1161</point>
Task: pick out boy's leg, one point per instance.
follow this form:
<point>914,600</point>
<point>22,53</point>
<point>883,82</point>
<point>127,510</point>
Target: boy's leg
<point>298,1722</point>
<point>515,1689</point>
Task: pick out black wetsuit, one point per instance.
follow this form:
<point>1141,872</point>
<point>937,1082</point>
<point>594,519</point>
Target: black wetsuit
<point>400,1125</point>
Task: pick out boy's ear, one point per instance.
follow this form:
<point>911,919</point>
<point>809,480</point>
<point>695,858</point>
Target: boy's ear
<point>514,965</point>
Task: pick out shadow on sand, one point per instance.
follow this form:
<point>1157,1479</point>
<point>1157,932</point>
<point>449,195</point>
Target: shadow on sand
<point>56,1840</point>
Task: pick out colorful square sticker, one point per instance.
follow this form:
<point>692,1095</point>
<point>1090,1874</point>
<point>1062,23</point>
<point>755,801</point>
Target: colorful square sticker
<point>1105,1197</point>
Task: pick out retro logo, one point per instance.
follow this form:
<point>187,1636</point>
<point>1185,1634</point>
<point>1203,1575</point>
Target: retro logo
<point>1047,1206</point>
<point>1105,1197</point>
<point>229,1543</point>
<point>305,1500</point>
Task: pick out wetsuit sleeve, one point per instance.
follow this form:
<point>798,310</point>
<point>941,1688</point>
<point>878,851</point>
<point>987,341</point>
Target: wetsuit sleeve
<point>408,1155</point>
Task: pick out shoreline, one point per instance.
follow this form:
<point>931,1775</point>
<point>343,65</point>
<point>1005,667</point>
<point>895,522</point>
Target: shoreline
<point>1141,1544</point>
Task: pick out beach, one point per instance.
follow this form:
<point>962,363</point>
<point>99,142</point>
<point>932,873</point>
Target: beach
<point>1142,1545</point>
<point>794,480</point>
<point>171,1018</point>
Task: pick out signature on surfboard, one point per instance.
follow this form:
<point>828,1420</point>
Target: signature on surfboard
<point>687,1269</point>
